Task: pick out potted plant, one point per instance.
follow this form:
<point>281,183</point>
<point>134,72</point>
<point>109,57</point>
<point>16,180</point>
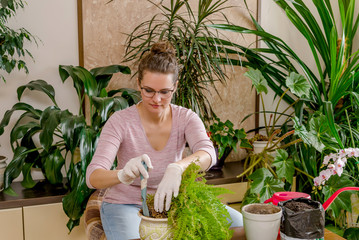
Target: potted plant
<point>325,113</point>
<point>266,217</point>
<point>202,59</point>
<point>267,172</point>
<point>61,133</point>
<point>12,41</point>
<point>197,212</point>
<point>225,139</point>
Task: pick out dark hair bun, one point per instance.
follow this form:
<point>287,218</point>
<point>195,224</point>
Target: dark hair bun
<point>163,47</point>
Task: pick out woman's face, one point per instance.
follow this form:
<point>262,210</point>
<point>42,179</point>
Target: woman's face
<point>156,90</point>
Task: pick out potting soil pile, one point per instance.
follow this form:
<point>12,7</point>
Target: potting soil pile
<point>302,218</point>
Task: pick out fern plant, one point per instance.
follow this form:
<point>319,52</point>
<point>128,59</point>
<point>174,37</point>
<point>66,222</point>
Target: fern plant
<point>197,212</point>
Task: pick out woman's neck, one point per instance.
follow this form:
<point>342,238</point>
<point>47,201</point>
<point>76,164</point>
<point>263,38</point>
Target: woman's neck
<point>151,117</point>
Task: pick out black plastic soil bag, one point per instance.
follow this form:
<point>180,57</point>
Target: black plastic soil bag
<point>302,218</point>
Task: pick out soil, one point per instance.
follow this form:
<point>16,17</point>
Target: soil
<point>151,209</point>
<point>299,206</point>
<point>262,209</point>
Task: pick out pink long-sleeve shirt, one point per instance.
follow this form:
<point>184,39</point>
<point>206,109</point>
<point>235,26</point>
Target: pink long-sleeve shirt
<point>123,137</point>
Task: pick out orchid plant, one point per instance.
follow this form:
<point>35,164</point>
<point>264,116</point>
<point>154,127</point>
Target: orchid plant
<point>334,164</point>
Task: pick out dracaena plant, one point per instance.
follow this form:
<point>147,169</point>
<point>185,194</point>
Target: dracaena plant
<point>202,64</point>
<point>12,41</point>
<point>43,138</point>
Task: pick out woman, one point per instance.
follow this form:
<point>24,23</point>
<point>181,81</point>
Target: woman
<point>155,132</point>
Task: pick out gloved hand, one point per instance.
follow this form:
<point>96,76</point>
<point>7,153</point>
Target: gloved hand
<point>134,168</point>
<point>168,186</point>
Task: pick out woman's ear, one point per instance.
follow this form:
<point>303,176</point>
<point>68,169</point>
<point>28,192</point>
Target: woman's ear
<point>138,84</point>
<point>176,85</point>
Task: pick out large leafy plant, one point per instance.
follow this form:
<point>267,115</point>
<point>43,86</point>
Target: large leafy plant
<point>333,96</point>
<point>201,61</point>
<point>44,138</point>
<point>12,41</point>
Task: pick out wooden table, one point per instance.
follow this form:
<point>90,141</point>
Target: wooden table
<point>328,235</point>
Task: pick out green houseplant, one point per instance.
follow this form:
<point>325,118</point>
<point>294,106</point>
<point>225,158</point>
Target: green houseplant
<point>12,41</point>
<point>333,97</point>
<point>262,168</point>
<point>44,138</point>
<point>202,62</point>
<point>225,139</point>
<point>197,212</point>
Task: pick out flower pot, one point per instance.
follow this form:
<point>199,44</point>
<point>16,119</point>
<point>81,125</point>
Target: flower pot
<point>2,171</point>
<point>154,228</point>
<point>261,221</point>
<point>220,161</point>
<point>302,218</point>
<point>258,146</point>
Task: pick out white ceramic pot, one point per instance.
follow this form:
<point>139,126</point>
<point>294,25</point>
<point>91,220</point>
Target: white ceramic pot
<point>258,146</point>
<point>154,228</point>
<point>261,226</point>
<point>2,171</point>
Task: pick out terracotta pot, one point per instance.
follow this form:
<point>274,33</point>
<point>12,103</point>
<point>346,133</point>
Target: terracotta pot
<point>261,226</point>
<point>154,228</point>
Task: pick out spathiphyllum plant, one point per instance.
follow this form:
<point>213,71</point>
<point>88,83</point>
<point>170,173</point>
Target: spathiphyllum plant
<point>43,138</point>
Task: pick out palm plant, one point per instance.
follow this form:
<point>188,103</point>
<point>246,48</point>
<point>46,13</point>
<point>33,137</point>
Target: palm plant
<point>44,138</point>
<point>12,41</point>
<point>197,52</point>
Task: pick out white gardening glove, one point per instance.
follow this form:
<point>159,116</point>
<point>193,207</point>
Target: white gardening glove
<point>134,168</point>
<point>168,186</point>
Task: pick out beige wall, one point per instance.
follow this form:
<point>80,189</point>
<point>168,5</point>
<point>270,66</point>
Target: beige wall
<point>105,26</point>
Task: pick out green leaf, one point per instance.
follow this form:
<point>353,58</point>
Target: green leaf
<point>9,191</point>
<point>53,163</point>
<point>109,70</point>
<point>65,72</point>
<point>258,178</point>
<point>250,197</point>
<point>258,81</point>
<point>39,85</point>
<point>27,182</point>
<point>71,128</point>
<point>351,234</point>
<point>88,141</point>
<point>104,106</point>
<point>74,203</point>
<point>284,165</point>
<point>298,85</point>
<point>49,121</point>
<point>342,201</point>
<point>17,107</point>
<point>89,81</point>
<point>14,168</point>
<point>270,186</point>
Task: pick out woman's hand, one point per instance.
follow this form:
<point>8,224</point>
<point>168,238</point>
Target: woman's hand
<point>168,186</point>
<point>134,168</point>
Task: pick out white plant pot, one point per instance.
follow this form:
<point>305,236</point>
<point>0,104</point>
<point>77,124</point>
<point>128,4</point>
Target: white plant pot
<point>261,226</point>
<point>2,171</point>
<point>154,228</point>
<point>258,147</point>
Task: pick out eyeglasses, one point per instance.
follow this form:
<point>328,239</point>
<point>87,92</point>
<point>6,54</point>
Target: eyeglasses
<point>164,93</point>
